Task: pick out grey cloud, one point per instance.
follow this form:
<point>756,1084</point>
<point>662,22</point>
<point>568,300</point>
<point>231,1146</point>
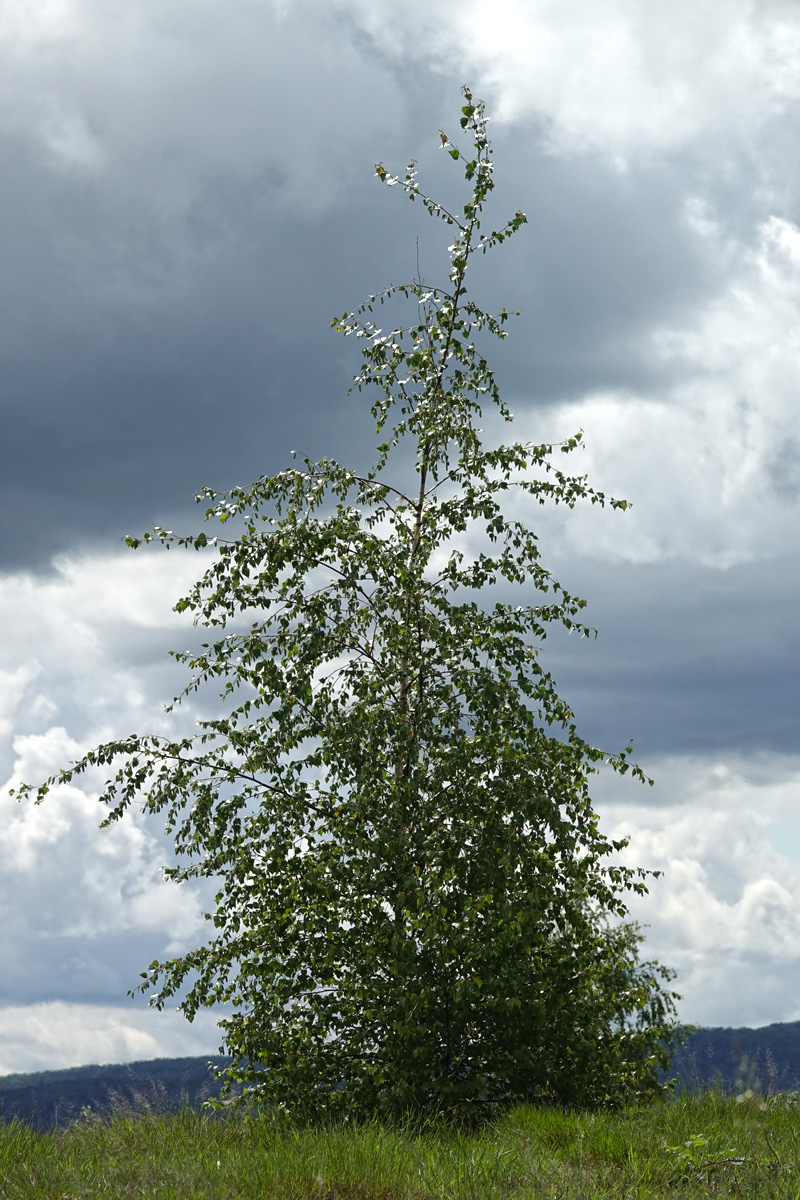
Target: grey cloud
<point>783,470</point>
<point>164,312</point>
<point>96,970</point>
<point>211,370</point>
<point>606,257</point>
<point>686,658</point>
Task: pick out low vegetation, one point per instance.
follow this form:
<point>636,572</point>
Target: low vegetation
<point>699,1144</point>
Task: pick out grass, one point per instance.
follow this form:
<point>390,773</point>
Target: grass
<point>703,1144</point>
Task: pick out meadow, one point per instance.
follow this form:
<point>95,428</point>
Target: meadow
<point>698,1144</point>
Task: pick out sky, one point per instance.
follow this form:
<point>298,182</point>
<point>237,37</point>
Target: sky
<point>187,198</point>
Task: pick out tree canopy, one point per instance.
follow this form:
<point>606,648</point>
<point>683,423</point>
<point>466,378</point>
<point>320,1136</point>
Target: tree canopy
<point>417,908</point>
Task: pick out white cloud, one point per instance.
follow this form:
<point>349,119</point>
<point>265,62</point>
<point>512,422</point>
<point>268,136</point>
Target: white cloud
<point>619,77</point>
<point>26,24</point>
<point>13,685</point>
<point>725,912</point>
<point>711,464</point>
<point>84,882</point>
<point>83,909</point>
<point>89,638</point>
<point>69,888</point>
<point>53,1036</point>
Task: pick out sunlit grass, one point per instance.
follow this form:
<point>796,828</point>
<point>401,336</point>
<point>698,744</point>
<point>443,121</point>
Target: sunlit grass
<point>698,1145</point>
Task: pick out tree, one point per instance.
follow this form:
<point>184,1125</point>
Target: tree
<point>415,897</point>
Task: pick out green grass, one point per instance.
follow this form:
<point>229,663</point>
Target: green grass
<point>700,1145</point>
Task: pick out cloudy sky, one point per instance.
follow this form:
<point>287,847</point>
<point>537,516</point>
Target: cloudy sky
<point>187,198</point>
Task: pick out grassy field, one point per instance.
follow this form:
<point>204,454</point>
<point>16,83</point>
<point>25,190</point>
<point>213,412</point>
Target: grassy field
<point>699,1145</point>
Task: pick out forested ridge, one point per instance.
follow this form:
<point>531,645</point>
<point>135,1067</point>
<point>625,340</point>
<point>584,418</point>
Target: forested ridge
<point>47,1098</point>
<point>761,1059</point>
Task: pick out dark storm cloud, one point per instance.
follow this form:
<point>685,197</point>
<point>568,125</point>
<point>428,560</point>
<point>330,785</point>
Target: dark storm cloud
<point>153,345</point>
<point>165,309</point>
<point>214,376</point>
<point>98,970</point>
<point>606,257</point>
<point>175,241</point>
<point>687,658</point>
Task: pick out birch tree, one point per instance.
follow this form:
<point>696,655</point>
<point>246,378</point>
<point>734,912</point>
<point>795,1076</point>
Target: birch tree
<point>417,908</point>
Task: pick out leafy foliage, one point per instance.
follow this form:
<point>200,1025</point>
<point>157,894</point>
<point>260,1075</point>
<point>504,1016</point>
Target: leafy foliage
<point>415,895</point>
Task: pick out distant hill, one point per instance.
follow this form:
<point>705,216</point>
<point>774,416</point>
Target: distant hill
<point>765,1059</point>
<point>49,1098</point>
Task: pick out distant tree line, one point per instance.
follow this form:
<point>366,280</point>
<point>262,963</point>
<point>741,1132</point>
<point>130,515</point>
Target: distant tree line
<point>766,1059</point>
<point>46,1099</point>
<point>761,1060</point>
